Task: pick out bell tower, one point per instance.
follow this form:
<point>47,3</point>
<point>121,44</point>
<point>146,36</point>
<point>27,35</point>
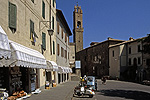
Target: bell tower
<point>78,28</point>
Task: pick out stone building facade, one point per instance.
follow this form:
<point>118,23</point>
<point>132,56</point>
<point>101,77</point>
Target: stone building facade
<point>127,62</point>
<point>72,56</point>
<point>62,46</point>
<point>27,25</point>
<point>25,22</point>
<point>95,59</point>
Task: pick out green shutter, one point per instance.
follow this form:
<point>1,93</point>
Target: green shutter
<point>31,28</point>
<point>53,47</point>
<point>43,9</point>
<point>12,15</point>
<point>53,23</point>
<point>53,3</point>
<point>44,41</point>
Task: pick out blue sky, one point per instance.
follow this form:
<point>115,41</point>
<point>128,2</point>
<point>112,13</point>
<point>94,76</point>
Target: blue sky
<point>118,19</point>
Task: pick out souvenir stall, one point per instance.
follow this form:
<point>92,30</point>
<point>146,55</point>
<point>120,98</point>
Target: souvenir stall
<point>22,69</point>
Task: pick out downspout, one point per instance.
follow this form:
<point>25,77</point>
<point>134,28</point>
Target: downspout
<point>50,27</point>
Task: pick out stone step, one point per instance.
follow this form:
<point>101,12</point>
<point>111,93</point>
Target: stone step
<point>75,78</point>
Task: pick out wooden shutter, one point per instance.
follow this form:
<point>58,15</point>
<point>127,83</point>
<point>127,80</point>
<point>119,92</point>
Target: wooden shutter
<point>43,9</point>
<point>62,31</point>
<point>65,37</point>
<point>44,41</point>
<point>53,23</point>
<point>58,49</point>
<point>58,27</point>
<point>53,47</point>
<point>12,15</point>
<point>61,52</point>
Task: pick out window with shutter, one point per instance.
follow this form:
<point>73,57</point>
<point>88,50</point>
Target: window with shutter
<point>58,27</point>
<point>58,49</point>
<point>65,37</point>
<point>53,23</point>
<point>31,30</point>
<point>12,16</point>
<point>62,31</point>
<point>33,35</point>
<point>44,41</point>
<point>53,47</point>
<point>43,9</point>
<point>61,52</point>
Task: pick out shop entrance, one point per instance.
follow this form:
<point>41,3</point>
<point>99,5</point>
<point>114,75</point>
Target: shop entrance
<point>59,78</point>
<point>4,77</point>
<point>28,79</point>
<point>62,77</point>
<point>48,76</point>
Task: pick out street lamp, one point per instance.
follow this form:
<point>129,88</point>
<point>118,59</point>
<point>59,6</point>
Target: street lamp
<point>50,32</point>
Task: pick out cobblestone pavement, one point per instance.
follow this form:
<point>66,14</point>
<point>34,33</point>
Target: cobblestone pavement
<point>61,92</point>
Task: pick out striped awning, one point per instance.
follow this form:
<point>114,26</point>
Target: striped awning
<point>4,45</point>
<point>5,51</point>
<point>51,66</point>
<point>25,57</point>
<point>64,69</point>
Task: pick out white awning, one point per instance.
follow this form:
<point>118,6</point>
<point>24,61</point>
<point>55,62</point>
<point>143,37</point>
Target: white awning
<point>25,57</point>
<point>51,66</point>
<point>70,70</point>
<point>64,69</point>
<point>4,45</point>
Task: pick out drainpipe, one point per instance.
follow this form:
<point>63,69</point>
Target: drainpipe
<point>50,27</point>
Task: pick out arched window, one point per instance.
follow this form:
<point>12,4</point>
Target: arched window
<point>78,24</point>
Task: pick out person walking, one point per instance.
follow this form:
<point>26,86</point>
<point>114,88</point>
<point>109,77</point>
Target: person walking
<point>103,80</point>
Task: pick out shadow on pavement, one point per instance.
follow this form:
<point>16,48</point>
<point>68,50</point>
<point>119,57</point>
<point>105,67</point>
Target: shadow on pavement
<point>127,94</point>
<point>81,97</point>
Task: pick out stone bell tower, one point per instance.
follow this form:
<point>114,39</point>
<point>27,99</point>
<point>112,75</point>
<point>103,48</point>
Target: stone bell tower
<point>78,28</point>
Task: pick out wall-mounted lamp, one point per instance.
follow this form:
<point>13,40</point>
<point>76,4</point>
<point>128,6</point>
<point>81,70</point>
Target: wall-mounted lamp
<point>50,31</point>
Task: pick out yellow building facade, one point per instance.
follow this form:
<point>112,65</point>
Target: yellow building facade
<point>26,22</point>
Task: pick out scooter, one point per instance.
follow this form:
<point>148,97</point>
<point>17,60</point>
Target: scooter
<point>83,90</point>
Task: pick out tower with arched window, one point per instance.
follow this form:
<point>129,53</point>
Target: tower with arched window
<point>78,28</point>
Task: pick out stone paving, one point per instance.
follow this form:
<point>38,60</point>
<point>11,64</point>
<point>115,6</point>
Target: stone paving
<point>61,92</point>
<point>119,90</point>
<point>113,90</point>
